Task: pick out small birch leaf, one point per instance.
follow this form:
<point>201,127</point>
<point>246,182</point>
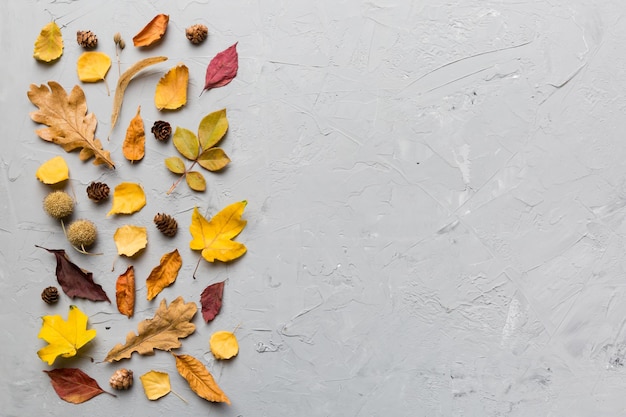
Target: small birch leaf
<point>195,181</point>
<point>211,300</point>
<point>214,237</point>
<point>130,239</point>
<point>212,129</point>
<point>200,379</point>
<point>125,292</point>
<point>164,274</point>
<point>171,90</point>
<point>128,198</point>
<point>155,384</point>
<point>175,164</point>
<point>53,171</point>
<point>224,345</point>
<point>49,43</point>
<point>134,147</point>
<point>186,142</point>
<point>73,385</point>
<point>153,31</point>
<point>222,68</point>
<point>93,66</point>
<point>213,159</point>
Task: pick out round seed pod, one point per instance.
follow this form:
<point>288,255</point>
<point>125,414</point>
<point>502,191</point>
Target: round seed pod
<point>82,233</point>
<point>58,204</point>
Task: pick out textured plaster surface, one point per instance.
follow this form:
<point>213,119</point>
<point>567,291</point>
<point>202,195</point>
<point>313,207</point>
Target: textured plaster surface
<point>436,191</point>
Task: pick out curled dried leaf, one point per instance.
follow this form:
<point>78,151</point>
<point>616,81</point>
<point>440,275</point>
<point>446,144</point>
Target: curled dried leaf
<point>153,31</point>
<point>125,292</point>
<point>164,274</point>
<point>134,147</point>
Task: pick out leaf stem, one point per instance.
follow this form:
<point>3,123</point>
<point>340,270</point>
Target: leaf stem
<point>181,178</point>
<point>197,265</point>
<point>178,395</point>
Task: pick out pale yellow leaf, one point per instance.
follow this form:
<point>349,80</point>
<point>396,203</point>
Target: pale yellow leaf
<point>153,31</point>
<point>155,384</point>
<point>130,239</point>
<point>195,181</point>
<point>49,43</point>
<point>93,66</point>
<point>171,90</point>
<point>53,171</point>
<point>224,345</point>
<point>128,197</point>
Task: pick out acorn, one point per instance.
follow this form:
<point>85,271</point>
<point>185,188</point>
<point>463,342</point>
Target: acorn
<point>122,379</point>
<point>82,233</point>
<point>58,204</point>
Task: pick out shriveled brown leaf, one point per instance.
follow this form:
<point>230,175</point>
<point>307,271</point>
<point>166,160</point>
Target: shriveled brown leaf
<point>200,379</point>
<point>153,31</point>
<point>164,274</point>
<point>125,292</point>
<point>134,147</point>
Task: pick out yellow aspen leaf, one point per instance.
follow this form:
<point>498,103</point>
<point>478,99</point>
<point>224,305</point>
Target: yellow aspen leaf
<point>53,171</point>
<point>200,379</point>
<point>171,90</point>
<point>214,237</point>
<point>213,159</point>
<point>128,197</point>
<point>125,292</point>
<point>155,384</point>
<point>175,164</point>
<point>134,147</point>
<point>164,274</point>
<point>195,181</point>
<point>186,142</point>
<point>152,32</point>
<point>130,239</point>
<point>224,345</point>
<point>49,43</point>
<point>212,129</point>
<point>64,337</point>
<point>93,66</point>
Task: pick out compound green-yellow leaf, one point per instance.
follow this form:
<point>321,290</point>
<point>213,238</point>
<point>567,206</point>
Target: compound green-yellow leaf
<point>186,142</point>
<point>93,66</point>
<point>49,43</point>
<point>213,159</point>
<point>175,164</point>
<point>212,129</point>
<point>171,90</point>
<point>224,345</point>
<point>195,181</point>
<point>64,337</point>
<point>53,171</point>
<point>155,384</point>
<point>130,239</point>
<point>128,197</point>
<point>214,237</point>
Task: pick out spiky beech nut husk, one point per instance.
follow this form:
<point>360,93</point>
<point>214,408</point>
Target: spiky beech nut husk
<point>58,204</point>
<point>50,295</point>
<point>196,33</point>
<point>166,224</point>
<point>87,39</point>
<point>161,130</point>
<point>82,233</point>
<point>121,379</point>
<point>98,191</point>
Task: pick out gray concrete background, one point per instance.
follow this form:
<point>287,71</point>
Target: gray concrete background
<point>436,207</point>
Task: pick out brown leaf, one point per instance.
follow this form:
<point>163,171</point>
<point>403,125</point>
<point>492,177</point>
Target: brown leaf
<point>76,282</point>
<point>211,300</point>
<point>74,386</point>
<point>164,274</point>
<point>125,292</point>
<point>200,379</point>
<point>160,332</point>
<point>152,32</point>
<point>222,68</point>
<point>134,147</point>
<point>69,125</point>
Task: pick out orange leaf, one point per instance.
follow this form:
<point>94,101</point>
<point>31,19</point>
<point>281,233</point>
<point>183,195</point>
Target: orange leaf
<point>164,274</point>
<point>153,31</point>
<point>134,146</point>
<point>125,292</point>
<point>200,379</point>
<point>171,90</point>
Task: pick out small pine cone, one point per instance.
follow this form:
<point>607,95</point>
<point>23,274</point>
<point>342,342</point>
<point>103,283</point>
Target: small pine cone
<point>87,39</point>
<point>98,191</point>
<point>121,379</point>
<point>196,33</point>
<point>50,295</point>
<point>166,224</point>
<point>161,130</point>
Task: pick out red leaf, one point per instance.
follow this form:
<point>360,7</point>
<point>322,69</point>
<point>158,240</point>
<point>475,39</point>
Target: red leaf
<point>73,385</point>
<point>76,282</point>
<point>211,300</point>
<point>222,68</point>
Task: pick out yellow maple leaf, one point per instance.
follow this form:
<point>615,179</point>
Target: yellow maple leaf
<point>155,384</point>
<point>130,239</point>
<point>128,197</point>
<point>93,66</point>
<point>171,90</point>
<point>49,43</point>
<point>224,345</point>
<point>64,337</point>
<point>214,237</point>
<point>53,171</point>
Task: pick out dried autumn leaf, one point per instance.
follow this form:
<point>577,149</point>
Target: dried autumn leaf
<point>74,386</point>
<point>160,332</point>
<point>186,142</point>
<point>155,384</point>
<point>175,164</point>
<point>93,66</point>
<point>125,292</point>
<point>69,125</point>
<point>171,90</point>
<point>212,129</point>
<point>211,300</point>
<point>130,239</point>
<point>224,345</point>
<point>64,337</point>
<point>53,171</point>
<point>164,274</point>
<point>128,198</point>
<point>222,68</point>
<point>49,43</point>
<point>75,281</point>
<point>123,82</point>
<point>200,379</point>
<point>213,159</point>
<point>195,181</point>
<point>214,237</point>
<point>134,147</point>
<point>153,31</point>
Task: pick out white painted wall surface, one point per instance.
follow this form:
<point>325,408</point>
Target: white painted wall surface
<point>436,194</point>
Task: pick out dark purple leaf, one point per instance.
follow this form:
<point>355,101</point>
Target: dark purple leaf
<point>211,300</point>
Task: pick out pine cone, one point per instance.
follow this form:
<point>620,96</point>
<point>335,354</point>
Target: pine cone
<point>121,379</point>
<point>50,295</point>
<point>166,224</point>
<point>86,39</point>
<point>98,191</point>
<point>161,130</point>
<point>196,33</point>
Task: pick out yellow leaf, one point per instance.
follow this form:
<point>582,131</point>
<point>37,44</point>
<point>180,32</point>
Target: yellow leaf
<point>224,345</point>
<point>213,237</point>
<point>64,337</point>
<point>195,181</point>
<point>128,197</point>
<point>49,43</point>
<point>200,379</point>
<point>134,147</point>
<point>175,164</point>
<point>53,171</point>
<point>212,128</point>
<point>171,90</point>
<point>164,274</point>
<point>130,239</point>
<point>93,66</point>
<point>186,142</point>
<point>155,384</point>
<point>213,159</point>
